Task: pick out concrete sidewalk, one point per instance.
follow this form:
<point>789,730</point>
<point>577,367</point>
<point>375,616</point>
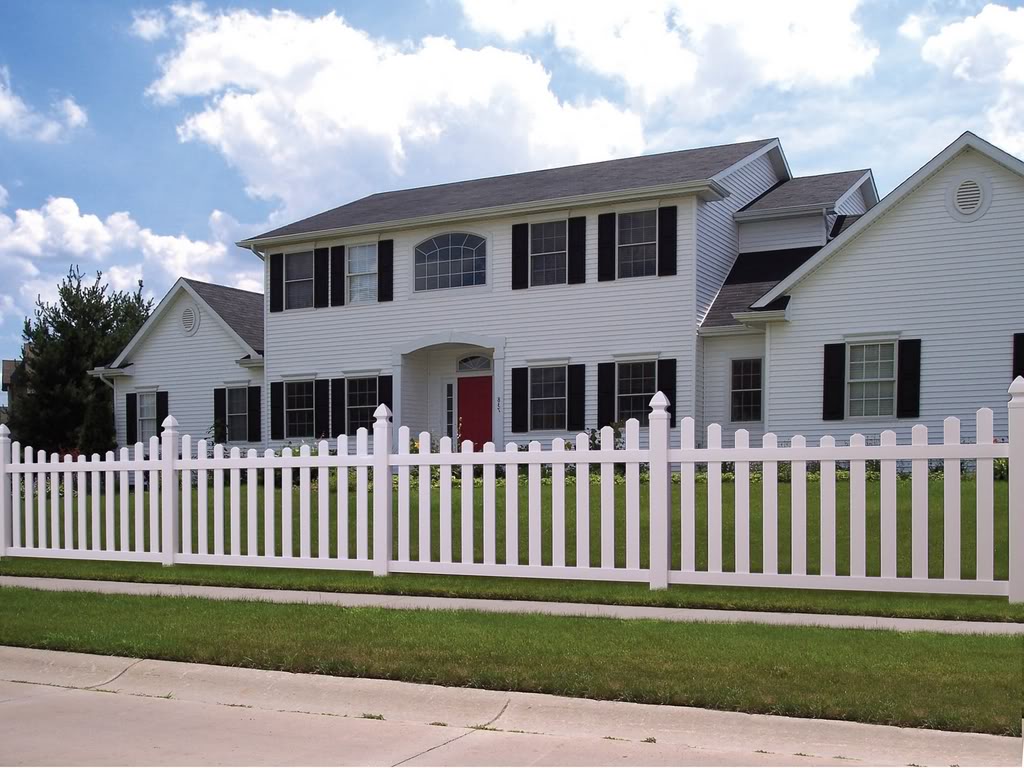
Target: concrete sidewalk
<point>67,708</point>
<point>353,600</point>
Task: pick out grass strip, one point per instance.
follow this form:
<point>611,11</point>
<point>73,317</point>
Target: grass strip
<point>958,683</point>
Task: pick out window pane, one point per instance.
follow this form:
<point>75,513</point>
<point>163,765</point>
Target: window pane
<point>362,402</point>
<point>147,405</point>
<point>298,266</point>
<point>547,398</point>
<point>451,261</point>
<point>300,423</point>
<point>238,400</point>
<point>638,260</point>
<point>640,227</point>
<point>238,428</point>
<point>636,386</point>
<point>548,237</point>
<point>362,289</point>
<point>298,295</point>
<point>147,429</point>
<point>746,390</point>
<point>872,388</point>
<point>548,269</point>
<point>298,403</point>
<point>362,259</point>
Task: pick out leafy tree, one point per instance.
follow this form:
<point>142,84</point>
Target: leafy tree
<point>60,407</point>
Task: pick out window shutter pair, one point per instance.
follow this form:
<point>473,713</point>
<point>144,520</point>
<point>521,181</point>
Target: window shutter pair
<point>576,253</point>
<point>321,409</point>
<point>908,381</point>
<point>1018,356</point>
<point>607,238</point>
<point>575,392</point>
<point>329,276</point>
<point>606,387</point>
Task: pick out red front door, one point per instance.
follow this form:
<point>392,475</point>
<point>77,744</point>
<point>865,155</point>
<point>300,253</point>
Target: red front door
<point>475,409</point>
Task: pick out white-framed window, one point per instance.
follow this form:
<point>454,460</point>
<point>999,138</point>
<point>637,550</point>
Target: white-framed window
<point>147,426</point>
<point>298,280</point>
<point>360,402</point>
<point>746,390</point>
<point>451,260</point>
<point>298,409</point>
<point>637,243</point>
<point>449,410</point>
<point>871,379</point>
<point>361,278</point>
<point>238,414</point>
<point>548,396</point>
<point>548,252</point>
<point>636,383</point>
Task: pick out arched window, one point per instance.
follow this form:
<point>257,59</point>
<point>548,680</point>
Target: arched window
<point>474,364</point>
<point>450,261</point>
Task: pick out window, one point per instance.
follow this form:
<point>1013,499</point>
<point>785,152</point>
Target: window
<point>147,416</point>
<point>637,384</point>
<point>474,364</point>
<point>238,415</point>
<point>451,261</point>
<point>362,274</point>
<point>298,408</point>
<point>746,390</point>
<point>361,403</point>
<point>547,398</point>
<point>298,280</point>
<point>548,253</point>
<point>449,410</point>
<point>638,248</point>
<point>872,379</point>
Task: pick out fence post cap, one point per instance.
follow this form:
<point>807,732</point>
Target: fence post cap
<point>1017,387</point>
<point>383,413</point>
<point>5,432</point>
<point>659,402</point>
<point>169,423</point>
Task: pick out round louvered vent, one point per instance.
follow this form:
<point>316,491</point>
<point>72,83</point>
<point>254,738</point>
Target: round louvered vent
<point>190,320</point>
<point>968,197</point>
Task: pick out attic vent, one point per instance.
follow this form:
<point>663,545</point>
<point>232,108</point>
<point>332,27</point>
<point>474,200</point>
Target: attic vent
<point>190,321</point>
<point>968,197</point>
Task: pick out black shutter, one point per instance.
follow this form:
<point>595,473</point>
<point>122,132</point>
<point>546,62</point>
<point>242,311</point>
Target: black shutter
<point>131,418</point>
<point>384,392</point>
<point>338,276</point>
<point>606,247</point>
<point>833,401</point>
<point>577,256</point>
<point>667,385</point>
<point>162,410</point>
<point>521,399</point>
<point>220,415</point>
<point>605,394</point>
<point>385,270</point>
<point>254,409</point>
<point>321,283</point>
<point>908,379</point>
<point>520,256</point>
<point>276,282</point>
<point>322,408</point>
<point>667,240</point>
<point>1018,355</point>
<point>277,410</point>
<point>576,408</point>
<point>337,407</point>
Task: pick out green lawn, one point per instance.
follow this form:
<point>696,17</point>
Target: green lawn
<point>982,608</point>
<point>966,683</point>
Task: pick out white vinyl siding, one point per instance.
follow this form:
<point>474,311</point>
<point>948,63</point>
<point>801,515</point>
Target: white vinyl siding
<point>776,234</point>
<point>719,352</point>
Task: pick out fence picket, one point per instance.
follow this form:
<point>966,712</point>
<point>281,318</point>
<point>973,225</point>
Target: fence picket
<point>304,513</point>
<point>96,496</point>
<point>714,502</point>
<point>490,528</point>
<point>582,502</point>
<point>270,508</point>
<point>533,513</point>
<point>186,497</point>
<point>139,484</point>
<point>445,502</point>
<point>403,496</point>
<point>251,503</point>
<point>951,502</point>
<point>69,494</point>
<point>770,508</point>
<point>154,496</point>
<point>742,505</point>
<point>219,512</point>
<point>985,500</point>
<point>323,489</point>
<point>632,497</point>
<point>687,499</point>
<point>236,504</point>
<point>827,486</point>
<point>343,505</point>
<point>511,508</point>
<point>798,506</point>
<point>423,512</point>
<point>287,540</point>
<point>30,507</point>
<point>108,493</point>
<point>202,503</point>
<point>466,516</point>
<point>54,508</point>
<point>558,502</point>
<point>16,481</point>
<point>41,522</point>
<point>362,499</point>
<point>607,501</point>
<point>858,512</point>
<point>888,509</point>
<point>919,507</point>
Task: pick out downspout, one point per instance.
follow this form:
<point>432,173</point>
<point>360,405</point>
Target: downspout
<point>102,377</point>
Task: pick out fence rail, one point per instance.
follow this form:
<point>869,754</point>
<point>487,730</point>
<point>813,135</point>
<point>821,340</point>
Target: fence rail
<point>612,511</point>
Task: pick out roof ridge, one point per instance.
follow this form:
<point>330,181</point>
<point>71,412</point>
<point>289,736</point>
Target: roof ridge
<point>193,281</point>
<point>831,173</point>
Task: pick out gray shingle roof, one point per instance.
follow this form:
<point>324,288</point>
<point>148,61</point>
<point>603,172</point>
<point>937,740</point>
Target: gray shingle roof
<point>241,310</point>
<point>824,189</point>
<point>843,223</point>
<point>751,277</point>
<point>533,186</point>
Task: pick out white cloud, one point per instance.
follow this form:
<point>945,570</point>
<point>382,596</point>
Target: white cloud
<point>20,121</point>
<point>149,24</point>
<point>3,196</point>
<point>913,27</point>
<point>314,112</point>
<point>707,53</point>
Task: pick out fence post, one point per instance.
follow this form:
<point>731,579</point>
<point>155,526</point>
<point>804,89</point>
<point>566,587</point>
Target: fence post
<point>6,518</point>
<point>381,490</point>
<point>169,485</point>
<point>1016,419</point>
<point>660,492</point>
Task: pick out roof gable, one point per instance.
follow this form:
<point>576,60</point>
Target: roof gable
<point>849,233</point>
<point>824,191</point>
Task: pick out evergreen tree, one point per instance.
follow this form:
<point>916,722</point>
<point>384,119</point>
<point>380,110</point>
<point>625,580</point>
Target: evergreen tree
<point>60,407</point>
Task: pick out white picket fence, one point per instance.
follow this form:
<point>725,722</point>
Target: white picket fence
<point>116,507</point>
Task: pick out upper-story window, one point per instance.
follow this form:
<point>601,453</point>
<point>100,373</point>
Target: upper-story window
<point>298,280</point>
<point>548,253</point>
<point>451,260</point>
<point>362,274</point>
<point>638,244</point>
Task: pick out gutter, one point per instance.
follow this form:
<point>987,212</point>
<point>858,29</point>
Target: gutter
<point>705,189</point>
<point>784,213</point>
<point>102,374</point>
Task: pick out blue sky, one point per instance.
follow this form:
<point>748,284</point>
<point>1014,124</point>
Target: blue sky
<point>150,138</point>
